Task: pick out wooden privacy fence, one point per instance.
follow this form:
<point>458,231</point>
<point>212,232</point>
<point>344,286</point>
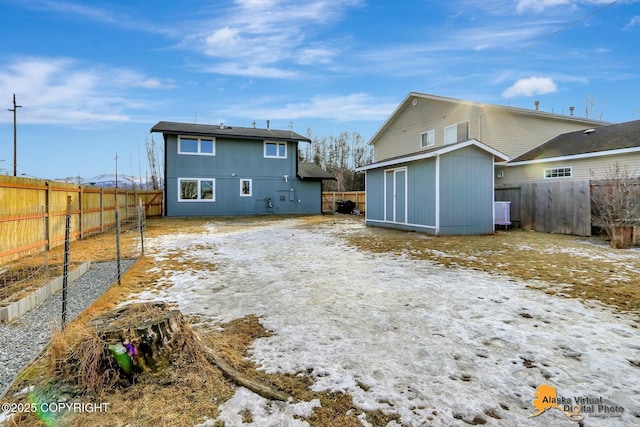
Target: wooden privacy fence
<point>554,207</point>
<point>32,212</point>
<point>329,199</point>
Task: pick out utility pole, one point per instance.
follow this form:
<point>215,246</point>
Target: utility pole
<point>116,159</point>
<point>15,136</point>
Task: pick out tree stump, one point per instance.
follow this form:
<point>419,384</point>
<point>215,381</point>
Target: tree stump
<point>150,332</point>
<point>147,337</point>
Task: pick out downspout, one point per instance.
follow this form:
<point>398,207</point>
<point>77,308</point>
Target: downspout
<point>437,180</point>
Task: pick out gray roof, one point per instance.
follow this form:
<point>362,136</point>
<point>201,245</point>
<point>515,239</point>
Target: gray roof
<point>313,171</point>
<point>175,128</point>
<point>591,140</point>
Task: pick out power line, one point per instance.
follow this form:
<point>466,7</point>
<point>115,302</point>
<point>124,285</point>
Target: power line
<point>566,27</point>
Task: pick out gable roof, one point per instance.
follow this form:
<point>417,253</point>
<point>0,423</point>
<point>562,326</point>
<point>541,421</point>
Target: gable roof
<point>313,171</point>
<point>605,140</point>
<point>175,128</point>
<point>417,95</point>
<point>434,152</point>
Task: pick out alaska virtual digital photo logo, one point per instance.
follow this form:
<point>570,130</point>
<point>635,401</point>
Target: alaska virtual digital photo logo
<point>546,397</point>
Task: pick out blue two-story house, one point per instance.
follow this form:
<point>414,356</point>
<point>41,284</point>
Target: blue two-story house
<point>214,170</point>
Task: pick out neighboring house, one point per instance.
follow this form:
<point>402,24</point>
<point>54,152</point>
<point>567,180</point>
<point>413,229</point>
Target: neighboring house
<point>223,170</point>
<point>434,157</point>
<point>580,155</point>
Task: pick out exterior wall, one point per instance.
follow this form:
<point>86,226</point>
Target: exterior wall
<point>235,160</point>
<point>510,132</point>
<point>514,133</point>
<point>466,194</point>
<point>581,169</point>
<point>403,136</point>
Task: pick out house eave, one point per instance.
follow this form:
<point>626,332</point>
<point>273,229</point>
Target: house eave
<point>434,153</point>
<point>576,156</point>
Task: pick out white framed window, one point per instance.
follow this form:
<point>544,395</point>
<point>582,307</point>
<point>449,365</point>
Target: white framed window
<point>275,149</point>
<point>428,138</point>
<point>246,188</point>
<point>196,146</point>
<point>456,133</point>
<point>196,189</point>
<point>563,172</point>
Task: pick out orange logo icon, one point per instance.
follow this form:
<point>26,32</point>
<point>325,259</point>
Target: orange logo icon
<point>546,396</point>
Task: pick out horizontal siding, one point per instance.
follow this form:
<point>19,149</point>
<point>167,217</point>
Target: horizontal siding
<point>581,169</point>
<point>514,134</point>
<point>403,136</point>
<point>510,132</point>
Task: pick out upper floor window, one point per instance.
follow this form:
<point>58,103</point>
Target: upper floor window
<point>276,150</point>
<point>565,172</point>
<point>428,138</point>
<point>195,145</point>
<point>456,133</point>
<point>196,189</point>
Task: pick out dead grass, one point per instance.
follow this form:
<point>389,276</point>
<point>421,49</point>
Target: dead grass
<point>192,390</point>
<point>578,267</point>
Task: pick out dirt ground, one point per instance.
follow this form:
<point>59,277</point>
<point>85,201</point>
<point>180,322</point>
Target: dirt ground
<point>573,267</point>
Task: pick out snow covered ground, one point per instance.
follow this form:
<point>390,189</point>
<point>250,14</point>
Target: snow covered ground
<point>439,346</point>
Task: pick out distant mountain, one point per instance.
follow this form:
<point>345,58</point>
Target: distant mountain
<point>109,180</point>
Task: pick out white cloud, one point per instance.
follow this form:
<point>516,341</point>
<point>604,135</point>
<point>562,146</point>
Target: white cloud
<point>357,106</point>
<point>530,86</point>
<point>62,90</point>
<point>250,70</point>
<point>542,5</point>
<point>268,34</point>
<point>634,21</point>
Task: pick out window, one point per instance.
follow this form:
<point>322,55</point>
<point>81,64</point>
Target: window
<point>245,188</point>
<point>428,138</point>
<point>456,133</point>
<point>551,173</point>
<point>196,189</point>
<point>194,145</point>
<point>276,150</point>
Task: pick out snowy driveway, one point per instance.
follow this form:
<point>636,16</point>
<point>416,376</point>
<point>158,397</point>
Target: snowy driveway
<point>439,346</point>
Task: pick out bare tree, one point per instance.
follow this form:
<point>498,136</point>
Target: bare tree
<point>590,104</point>
<point>155,164</point>
<point>616,204</point>
<point>340,155</point>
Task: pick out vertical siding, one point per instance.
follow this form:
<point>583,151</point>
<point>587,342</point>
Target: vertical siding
<point>375,194</point>
<point>422,193</point>
<point>466,192</point>
<point>236,160</point>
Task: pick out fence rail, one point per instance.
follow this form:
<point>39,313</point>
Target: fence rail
<point>329,199</point>
<point>93,210</point>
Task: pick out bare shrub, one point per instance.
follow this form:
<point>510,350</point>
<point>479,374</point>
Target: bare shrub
<point>616,204</point>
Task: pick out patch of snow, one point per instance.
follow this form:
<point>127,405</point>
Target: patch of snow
<point>406,336</point>
<point>262,412</point>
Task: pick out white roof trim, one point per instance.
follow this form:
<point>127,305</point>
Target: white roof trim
<point>526,111</point>
<point>434,153</point>
<point>577,156</point>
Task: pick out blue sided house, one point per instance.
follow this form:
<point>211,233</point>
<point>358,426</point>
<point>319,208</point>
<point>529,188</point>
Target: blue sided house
<point>212,170</point>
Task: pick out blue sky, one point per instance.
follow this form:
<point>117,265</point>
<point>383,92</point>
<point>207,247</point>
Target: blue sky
<point>93,77</point>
